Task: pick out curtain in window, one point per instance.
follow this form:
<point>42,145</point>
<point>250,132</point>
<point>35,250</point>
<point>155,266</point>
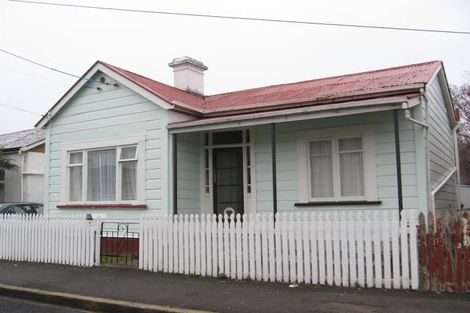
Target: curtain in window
<point>351,167</point>
<point>101,175</point>
<point>75,191</point>
<point>321,169</point>
<point>129,180</point>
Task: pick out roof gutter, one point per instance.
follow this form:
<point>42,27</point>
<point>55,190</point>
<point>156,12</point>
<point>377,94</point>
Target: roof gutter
<point>303,113</point>
<point>409,118</point>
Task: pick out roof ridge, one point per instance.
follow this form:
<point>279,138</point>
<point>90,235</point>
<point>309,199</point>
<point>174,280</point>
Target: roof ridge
<point>327,78</point>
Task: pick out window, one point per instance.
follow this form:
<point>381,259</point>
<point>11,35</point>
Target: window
<point>2,185</point>
<point>206,171</point>
<point>340,165</point>
<point>103,175</point>
<point>228,137</point>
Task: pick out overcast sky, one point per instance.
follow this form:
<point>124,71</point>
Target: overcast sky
<point>239,54</point>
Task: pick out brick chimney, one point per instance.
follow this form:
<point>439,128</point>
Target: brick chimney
<point>188,74</point>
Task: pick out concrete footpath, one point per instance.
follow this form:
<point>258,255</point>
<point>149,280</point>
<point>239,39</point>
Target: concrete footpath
<point>127,290</point>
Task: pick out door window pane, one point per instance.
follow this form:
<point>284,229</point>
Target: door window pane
<point>225,138</point>
<point>101,175</point>
<point>2,192</point>
<point>321,169</point>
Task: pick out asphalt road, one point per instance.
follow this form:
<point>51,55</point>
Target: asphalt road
<point>23,306</point>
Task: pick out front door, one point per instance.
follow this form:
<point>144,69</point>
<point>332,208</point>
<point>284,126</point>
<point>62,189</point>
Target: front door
<point>228,180</point>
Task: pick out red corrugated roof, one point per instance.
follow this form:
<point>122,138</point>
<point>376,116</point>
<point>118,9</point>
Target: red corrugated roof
<point>317,89</point>
<point>164,91</point>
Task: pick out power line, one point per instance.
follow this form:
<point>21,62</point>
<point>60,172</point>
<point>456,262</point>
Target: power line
<point>39,64</point>
<point>20,109</point>
<point>49,67</point>
<point>242,18</point>
<point>32,75</point>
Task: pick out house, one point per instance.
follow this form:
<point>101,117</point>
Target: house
<point>25,149</point>
<point>121,144</point>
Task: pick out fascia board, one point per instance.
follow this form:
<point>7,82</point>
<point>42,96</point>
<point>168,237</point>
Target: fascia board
<point>295,115</point>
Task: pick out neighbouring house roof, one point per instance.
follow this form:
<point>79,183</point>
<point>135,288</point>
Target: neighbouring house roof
<point>20,139</point>
<point>401,80</point>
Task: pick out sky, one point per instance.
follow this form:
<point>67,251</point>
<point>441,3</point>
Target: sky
<point>239,54</point>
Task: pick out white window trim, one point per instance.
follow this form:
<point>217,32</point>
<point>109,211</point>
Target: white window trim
<point>368,143</point>
<point>138,141</point>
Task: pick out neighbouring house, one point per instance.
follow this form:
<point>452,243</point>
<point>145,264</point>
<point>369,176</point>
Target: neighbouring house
<point>25,149</point>
<point>124,145</point>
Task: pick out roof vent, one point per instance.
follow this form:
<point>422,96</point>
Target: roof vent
<point>188,74</point>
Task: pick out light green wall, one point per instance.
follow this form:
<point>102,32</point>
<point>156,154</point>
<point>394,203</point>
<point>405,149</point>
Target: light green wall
<point>287,159</point>
<point>189,173</point>
<point>287,164</point>
<point>441,147</point>
<point>109,114</point>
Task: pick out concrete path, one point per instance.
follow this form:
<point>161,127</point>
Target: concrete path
<point>221,295</point>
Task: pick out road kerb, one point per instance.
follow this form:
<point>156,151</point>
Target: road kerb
<point>88,302</point>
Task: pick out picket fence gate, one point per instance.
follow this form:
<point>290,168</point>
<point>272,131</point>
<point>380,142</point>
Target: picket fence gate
<point>70,240</point>
<point>367,249</point>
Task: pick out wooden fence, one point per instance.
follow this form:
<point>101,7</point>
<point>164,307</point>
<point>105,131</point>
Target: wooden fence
<point>355,249</point>
<point>444,249</point>
<point>70,240</point>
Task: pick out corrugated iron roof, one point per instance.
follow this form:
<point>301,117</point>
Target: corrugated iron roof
<point>164,91</point>
<point>330,87</point>
<point>21,139</point>
<point>311,90</point>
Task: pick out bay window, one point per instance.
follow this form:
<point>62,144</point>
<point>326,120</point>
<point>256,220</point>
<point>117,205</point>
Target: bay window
<point>103,175</point>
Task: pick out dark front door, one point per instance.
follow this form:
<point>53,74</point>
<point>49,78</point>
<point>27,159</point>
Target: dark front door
<point>228,180</point>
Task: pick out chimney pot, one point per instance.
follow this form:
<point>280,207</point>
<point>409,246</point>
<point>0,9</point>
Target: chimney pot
<point>188,74</point>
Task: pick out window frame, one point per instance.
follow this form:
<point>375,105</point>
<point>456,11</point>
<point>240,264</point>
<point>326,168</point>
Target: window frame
<point>2,183</point>
<point>334,135</point>
<point>118,144</point>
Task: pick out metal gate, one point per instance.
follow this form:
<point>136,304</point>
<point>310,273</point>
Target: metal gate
<point>119,243</point>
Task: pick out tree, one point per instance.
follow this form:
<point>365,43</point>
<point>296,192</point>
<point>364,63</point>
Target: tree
<point>461,99</point>
<point>6,164</point>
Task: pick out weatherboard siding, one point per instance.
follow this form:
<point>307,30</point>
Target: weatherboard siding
<point>189,173</point>
<point>113,112</point>
<point>287,158</point>
<point>441,147</point>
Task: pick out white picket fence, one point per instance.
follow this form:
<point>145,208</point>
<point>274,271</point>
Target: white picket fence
<point>342,249</point>
<point>70,240</point>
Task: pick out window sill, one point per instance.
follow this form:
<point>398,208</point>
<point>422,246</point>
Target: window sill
<point>102,206</point>
<point>322,203</point>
